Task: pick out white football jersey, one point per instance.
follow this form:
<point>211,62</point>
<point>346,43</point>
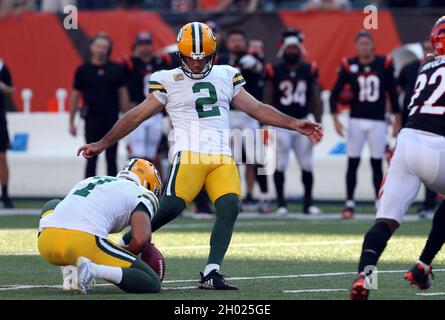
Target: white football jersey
<point>100,206</point>
<point>198,109</point>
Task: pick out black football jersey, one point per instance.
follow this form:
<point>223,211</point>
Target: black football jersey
<point>137,75</point>
<point>255,81</point>
<point>427,104</point>
<point>370,84</point>
<point>292,88</point>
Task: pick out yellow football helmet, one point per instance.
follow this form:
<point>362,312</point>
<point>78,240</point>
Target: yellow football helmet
<point>197,41</point>
<point>142,172</point>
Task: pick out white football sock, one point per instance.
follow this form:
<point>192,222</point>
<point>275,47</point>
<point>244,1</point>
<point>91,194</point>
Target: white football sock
<point>350,203</point>
<point>210,267</point>
<point>112,274</point>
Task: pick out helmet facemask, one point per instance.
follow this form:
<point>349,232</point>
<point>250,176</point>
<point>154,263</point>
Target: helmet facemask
<point>200,75</point>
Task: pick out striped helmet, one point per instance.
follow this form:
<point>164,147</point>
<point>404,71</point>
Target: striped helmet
<point>438,37</point>
<point>197,41</point>
<point>144,173</point>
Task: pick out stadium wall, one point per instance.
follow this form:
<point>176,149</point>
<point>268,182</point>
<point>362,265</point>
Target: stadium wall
<point>42,55</point>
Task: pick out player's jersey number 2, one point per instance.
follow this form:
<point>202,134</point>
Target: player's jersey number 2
<point>210,100</point>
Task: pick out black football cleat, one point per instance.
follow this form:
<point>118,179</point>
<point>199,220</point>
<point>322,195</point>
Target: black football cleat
<point>418,276</point>
<point>215,281</point>
<point>359,290</point>
<point>7,202</point>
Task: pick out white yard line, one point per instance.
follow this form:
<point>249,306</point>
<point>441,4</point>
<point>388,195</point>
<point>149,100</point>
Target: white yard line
<point>431,294</point>
<point>303,275</point>
<point>314,290</point>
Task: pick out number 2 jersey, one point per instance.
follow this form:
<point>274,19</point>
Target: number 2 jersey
<point>427,104</point>
<point>292,87</point>
<point>100,206</point>
<point>198,109</point>
<point>369,84</point>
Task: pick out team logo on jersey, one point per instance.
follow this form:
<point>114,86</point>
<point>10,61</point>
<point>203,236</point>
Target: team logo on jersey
<point>353,68</point>
<point>178,77</point>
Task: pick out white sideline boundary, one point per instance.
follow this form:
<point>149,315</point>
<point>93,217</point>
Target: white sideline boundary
<point>290,276</point>
<point>243,216</point>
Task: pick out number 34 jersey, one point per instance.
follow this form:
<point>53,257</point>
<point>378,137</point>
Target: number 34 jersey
<point>427,104</point>
<point>100,206</point>
<point>292,87</point>
<point>198,108</point>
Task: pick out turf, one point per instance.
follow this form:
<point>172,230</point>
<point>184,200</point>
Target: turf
<point>296,254</point>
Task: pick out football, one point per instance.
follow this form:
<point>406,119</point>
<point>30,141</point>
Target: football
<point>153,257</point>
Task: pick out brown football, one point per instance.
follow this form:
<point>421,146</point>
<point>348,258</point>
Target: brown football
<point>153,257</point>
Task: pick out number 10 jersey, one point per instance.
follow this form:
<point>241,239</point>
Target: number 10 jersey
<point>198,108</point>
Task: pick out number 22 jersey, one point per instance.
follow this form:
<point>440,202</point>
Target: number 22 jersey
<point>198,108</point>
<point>427,104</point>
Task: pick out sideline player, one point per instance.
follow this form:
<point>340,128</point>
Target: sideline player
<point>371,78</point>
<point>296,93</point>
<point>144,141</point>
<point>74,231</point>
<point>197,96</point>
<point>419,158</point>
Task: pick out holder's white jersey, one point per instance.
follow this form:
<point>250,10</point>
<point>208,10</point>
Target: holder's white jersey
<point>198,109</point>
<point>100,206</point>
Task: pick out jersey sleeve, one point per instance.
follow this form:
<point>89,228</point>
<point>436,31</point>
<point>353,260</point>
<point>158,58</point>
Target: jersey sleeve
<point>342,79</point>
<point>391,85</point>
<point>157,87</point>
<point>314,70</point>
<point>147,199</point>
<point>78,80</point>
<point>5,75</point>
<point>237,81</point>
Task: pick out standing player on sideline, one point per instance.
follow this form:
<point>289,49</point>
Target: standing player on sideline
<point>145,140</point>
<point>74,231</point>
<point>296,93</point>
<point>419,158</point>
<point>371,78</point>
<point>197,97</point>
<point>6,88</point>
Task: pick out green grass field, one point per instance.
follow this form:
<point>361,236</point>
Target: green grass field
<point>268,259</point>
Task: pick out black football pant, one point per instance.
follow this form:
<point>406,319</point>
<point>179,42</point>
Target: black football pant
<point>95,129</point>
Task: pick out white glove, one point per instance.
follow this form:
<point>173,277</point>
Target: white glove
<point>248,61</point>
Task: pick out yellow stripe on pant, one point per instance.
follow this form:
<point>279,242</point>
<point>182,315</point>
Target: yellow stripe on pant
<point>62,247</point>
<point>192,171</point>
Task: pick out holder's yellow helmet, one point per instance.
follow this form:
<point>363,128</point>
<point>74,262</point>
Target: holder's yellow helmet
<point>197,41</point>
<point>142,172</point>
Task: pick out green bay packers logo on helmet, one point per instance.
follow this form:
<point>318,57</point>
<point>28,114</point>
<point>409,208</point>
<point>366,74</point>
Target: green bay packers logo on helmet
<point>198,42</point>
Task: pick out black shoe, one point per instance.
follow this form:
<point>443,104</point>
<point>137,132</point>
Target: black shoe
<point>7,203</point>
<point>418,276</point>
<point>215,281</point>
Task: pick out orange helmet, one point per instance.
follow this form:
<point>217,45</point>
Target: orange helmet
<point>142,172</point>
<point>197,41</point>
<point>438,37</point>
